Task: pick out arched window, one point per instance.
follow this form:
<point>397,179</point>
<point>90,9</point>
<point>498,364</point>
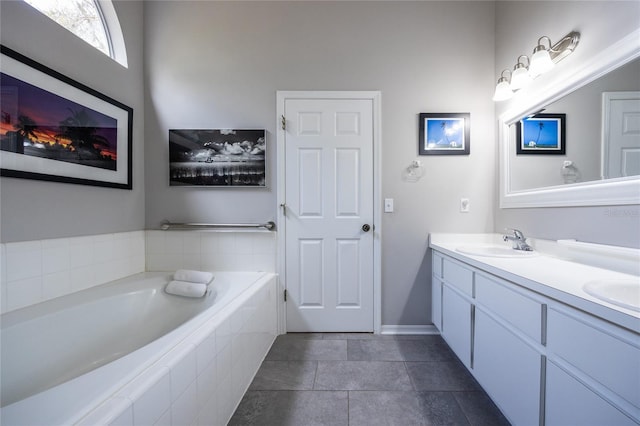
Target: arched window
<point>93,21</point>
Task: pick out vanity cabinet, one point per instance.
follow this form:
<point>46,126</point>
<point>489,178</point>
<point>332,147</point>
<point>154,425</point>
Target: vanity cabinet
<point>541,361</point>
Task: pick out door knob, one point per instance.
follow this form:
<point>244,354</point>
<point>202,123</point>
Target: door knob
<point>366,227</point>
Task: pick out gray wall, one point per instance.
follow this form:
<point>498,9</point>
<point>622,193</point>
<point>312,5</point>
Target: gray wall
<point>601,23</point>
<point>33,210</point>
<point>219,65</point>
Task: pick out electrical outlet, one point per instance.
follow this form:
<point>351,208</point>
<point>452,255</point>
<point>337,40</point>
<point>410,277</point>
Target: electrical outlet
<point>388,205</point>
<point>464,205</point>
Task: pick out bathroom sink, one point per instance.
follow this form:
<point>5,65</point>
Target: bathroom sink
<point>491,250</point>
<point>621,292</point>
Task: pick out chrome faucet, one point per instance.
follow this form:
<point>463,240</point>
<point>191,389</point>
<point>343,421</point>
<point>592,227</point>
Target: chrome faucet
<point>517,239</point>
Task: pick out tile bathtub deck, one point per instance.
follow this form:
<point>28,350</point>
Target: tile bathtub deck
<point>363,379</point>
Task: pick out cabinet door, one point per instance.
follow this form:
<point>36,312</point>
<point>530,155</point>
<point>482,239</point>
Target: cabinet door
<point>436,303</point>
<point>598,350</point>
<point>508,369</point>
<point>456,324</point>
<point>569,402</point>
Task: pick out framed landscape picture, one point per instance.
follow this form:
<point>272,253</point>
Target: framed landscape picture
<point>444,134</point>
<point>541,134</point>
<point>217,157</point>
<point>56,129</point>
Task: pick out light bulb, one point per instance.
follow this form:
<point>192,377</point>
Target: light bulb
<point>540,61</point>
<point>520,77</point>
<point>503,90</point>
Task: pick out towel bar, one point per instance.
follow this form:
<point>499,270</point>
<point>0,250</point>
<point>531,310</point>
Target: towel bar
<point>167,226</point>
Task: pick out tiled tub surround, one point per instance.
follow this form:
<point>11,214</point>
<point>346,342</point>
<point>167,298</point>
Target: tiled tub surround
<point>195,374</point>
<point>219,250</point>
<point>35,271</point>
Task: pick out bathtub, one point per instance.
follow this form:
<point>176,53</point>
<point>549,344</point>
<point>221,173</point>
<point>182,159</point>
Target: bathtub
<point>97,356</point>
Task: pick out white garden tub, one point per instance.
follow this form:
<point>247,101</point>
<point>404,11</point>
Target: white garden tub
<point>63,358</point>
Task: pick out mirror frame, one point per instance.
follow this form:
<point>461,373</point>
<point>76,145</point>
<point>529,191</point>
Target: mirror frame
<point>618,191</point>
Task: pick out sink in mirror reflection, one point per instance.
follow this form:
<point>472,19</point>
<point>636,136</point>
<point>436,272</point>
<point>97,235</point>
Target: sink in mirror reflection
<point>492,250</point>
<point>621,292</point>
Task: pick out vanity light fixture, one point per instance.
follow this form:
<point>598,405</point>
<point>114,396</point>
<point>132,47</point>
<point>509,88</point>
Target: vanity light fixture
<point>503,89</point>
<point>543,59</point>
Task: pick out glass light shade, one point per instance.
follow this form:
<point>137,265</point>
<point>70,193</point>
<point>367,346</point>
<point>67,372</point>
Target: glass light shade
<point>503,90</point>
<point>540,61</point>
<point>520,77</point>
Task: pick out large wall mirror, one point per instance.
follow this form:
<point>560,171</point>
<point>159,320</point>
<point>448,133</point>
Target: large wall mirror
<point>578,144</point>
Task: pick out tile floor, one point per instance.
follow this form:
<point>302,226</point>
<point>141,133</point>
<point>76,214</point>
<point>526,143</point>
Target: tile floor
<point>363,379</point>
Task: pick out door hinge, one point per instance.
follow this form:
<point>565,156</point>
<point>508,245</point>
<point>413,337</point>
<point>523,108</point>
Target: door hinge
<point>285,295</point>
<point>284,123</point>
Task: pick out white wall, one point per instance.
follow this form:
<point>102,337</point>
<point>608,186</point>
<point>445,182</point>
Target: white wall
<point>601,23</point>
<point>37,210</point>
<point>219,65</point>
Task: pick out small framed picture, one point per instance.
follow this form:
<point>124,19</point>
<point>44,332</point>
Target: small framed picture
<point>444,134</point>
<point>541,134</point>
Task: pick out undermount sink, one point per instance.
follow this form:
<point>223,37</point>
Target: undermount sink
<point>491,250</point>
<point>621,292</point>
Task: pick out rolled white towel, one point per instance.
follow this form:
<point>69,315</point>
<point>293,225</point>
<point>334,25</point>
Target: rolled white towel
<point>186,289</point>
<point>193,276</point>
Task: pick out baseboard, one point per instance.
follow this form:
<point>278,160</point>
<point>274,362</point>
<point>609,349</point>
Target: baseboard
<point>409,329</point>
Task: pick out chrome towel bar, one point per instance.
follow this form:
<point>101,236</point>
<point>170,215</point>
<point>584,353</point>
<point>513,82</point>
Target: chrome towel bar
<point>167,226</point>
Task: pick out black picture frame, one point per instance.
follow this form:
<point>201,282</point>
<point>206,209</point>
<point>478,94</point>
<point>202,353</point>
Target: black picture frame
<point>221,158</point>
<point>46,120</point>
<point>444,134</point>
<point>541,134</point>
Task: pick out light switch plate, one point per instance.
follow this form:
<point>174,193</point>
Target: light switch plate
<point>388,205</point>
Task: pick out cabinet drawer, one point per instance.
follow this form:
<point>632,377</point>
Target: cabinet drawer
<point>513,306</point>
<point>458,276</point>
<point>437,265</point>
<point>602,351</point>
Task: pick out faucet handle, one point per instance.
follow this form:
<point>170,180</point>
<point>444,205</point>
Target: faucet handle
<point>516,233</point>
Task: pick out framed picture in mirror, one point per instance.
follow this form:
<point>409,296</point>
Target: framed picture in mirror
<point>541,134</point>
<point>444,134</point>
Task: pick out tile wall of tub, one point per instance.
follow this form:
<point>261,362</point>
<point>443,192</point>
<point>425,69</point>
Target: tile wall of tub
<point>35,271</point>
<point>248,251</point>
<point>202,380</point>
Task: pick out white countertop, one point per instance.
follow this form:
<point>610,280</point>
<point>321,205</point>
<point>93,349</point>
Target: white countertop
<point>548,273</point>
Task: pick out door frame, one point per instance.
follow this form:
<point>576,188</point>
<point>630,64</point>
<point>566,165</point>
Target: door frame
<point>375,97</point>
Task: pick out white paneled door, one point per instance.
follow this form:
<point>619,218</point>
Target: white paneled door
<point>329,214</point>
<point>621,138</point>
